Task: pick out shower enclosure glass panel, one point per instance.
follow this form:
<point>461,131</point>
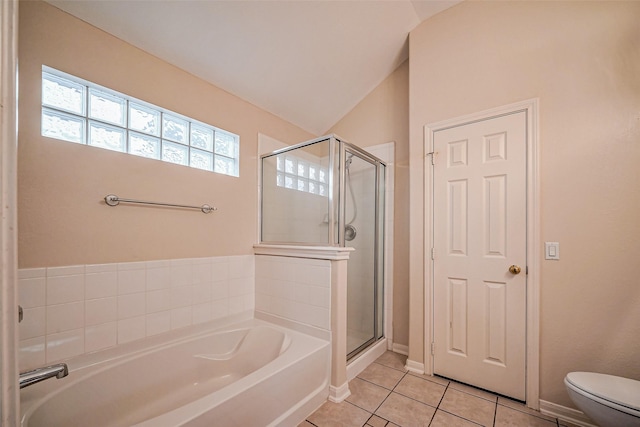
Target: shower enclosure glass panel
<point>296,190</point>
<point>329,192</point>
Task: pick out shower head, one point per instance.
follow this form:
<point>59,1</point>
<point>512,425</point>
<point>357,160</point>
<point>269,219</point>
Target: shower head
<point>347,162</point>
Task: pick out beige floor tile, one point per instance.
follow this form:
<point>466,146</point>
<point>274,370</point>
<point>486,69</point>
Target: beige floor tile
<point>513,404</point>
<point>405,412</point>
<point>376,421</point>
<point>474,391</point>
<point>420,389</point>
<point>507,417</point>
<point>432,378</point>
<point>339,415</point>
<point>366,395</point>
<point>381,375</point>
<point>469,407</point>
<point>393,360</point>
<point>413,400</point>
<point>444,419</point>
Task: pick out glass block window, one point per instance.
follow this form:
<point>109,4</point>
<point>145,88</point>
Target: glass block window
<point>78,111</point>
<point>301,175</point>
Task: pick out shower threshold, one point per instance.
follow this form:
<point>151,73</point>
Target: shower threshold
<point>358,362</point>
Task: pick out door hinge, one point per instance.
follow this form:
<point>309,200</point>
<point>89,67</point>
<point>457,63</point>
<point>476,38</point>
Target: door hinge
<point>433,348</point>
<point>433,254</point>
<point>433,155</point>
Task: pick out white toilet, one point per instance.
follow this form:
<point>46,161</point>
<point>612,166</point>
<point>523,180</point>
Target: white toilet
<point>608,400</point>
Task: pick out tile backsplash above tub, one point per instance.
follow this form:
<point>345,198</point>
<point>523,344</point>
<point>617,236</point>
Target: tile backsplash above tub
<point>78,309</point>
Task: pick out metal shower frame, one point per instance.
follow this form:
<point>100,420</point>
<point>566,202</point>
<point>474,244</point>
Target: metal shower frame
<point>343,148</point>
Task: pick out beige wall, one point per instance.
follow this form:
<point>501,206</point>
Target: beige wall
<point>383,116</point>
<point>62,219</point>
<point>582,60</point>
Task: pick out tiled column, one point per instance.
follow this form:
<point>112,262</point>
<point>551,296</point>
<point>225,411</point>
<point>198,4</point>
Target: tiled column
<point>339,388</point>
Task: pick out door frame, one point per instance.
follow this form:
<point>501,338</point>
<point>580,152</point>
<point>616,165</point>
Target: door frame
<point>9,392</point>
<point>530,107</point>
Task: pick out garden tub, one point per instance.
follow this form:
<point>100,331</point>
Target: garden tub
<point>252,373</point>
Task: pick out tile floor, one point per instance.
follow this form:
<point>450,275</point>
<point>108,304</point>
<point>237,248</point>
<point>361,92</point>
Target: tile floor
<point>386,395</point>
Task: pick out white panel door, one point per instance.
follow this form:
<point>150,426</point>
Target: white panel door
<point>479,232</point>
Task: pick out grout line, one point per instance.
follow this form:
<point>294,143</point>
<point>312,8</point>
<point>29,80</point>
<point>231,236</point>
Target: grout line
<point>371,382</point>
<point>432,417</point>
<point>472,395</point>
<point>385,399</point>
<point>378,385</point>
<point>366,423</point>
<point>360,407</point>
<point>409,397</point>
<point>399,381</point>
<point>425,378</point>
<point>461,417</point>
<point>415,400</point>
<point>537,414</point>
<point>391,367</point>
<point>438,406</point>
<point>475,395</point>
<point>445,392</point>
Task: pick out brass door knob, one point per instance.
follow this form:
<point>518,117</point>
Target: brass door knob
<point>514,269</point>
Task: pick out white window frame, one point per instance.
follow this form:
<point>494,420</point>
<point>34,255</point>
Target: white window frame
<point>229,161</point>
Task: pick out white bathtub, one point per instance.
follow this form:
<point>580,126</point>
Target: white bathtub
<point>252,373</point>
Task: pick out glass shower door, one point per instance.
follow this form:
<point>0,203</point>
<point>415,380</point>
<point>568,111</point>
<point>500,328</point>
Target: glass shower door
<point>362,232</point>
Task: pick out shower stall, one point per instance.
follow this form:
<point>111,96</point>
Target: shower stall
<point>327,192</point>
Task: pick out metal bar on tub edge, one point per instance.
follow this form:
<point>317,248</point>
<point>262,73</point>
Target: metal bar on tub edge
<point>113,200</point>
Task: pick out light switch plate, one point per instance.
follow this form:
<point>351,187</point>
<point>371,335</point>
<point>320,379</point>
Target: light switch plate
<point>551,250</point>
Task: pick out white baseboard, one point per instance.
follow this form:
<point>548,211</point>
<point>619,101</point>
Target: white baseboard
<point>338,394</point>
<point>415,367</point>
<point>400,348</point>
<point>564,413</point>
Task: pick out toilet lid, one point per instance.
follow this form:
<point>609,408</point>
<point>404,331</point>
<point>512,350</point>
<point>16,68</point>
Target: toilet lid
<point>622,391</point>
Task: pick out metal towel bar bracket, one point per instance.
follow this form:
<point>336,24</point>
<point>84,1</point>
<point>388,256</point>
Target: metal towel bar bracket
<point>113,200</point>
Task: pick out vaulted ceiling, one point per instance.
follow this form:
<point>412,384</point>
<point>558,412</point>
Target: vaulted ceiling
<point>307,61</point>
